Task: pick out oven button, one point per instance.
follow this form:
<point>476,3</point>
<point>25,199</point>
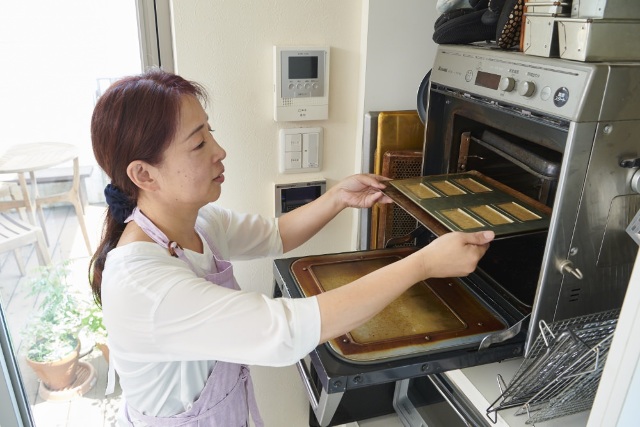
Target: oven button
<point>526,88</point>
<point>545,93</point>
<point>561,97</point>
<point>507,84</point>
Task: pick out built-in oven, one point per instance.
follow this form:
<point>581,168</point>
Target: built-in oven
<point>542,151</point>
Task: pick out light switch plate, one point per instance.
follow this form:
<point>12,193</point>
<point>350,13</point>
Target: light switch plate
<point>301,150</point>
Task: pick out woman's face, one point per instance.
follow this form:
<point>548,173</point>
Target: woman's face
<point>191,171</point>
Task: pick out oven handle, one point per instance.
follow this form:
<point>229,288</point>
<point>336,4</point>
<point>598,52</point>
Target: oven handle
<point>503,335</point>
<point>312,391</point>
<point>529,161</point>
<point>323,404</point>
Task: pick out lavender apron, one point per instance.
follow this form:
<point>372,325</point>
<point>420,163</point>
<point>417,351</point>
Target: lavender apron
<point>227,397</point>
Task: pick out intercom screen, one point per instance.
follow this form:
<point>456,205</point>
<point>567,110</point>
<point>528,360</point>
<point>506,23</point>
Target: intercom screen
<point>303,67</point>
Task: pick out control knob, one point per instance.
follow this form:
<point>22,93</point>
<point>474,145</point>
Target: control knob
<point>526,88</point>
<point>507,84</point>
<point>635,178</point>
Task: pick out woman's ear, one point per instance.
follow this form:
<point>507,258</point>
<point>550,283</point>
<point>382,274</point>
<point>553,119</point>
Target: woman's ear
<point>142,175</point>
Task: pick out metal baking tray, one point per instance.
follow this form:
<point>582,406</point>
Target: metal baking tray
<point>598,39</point>
<point>540,36</point>
<point>605,9</point>
<point>547,7</point>
<point>433,315</point>
<point>469,202</point>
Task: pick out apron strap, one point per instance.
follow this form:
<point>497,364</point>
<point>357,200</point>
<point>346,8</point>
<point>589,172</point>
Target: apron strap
<point>154,232</point>
<point>251,400</point>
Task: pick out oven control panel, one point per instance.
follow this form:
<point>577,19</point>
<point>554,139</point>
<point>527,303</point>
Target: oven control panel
<point>551,86</point>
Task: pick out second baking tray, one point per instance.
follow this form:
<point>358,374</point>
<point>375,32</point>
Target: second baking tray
<point>469,202</point>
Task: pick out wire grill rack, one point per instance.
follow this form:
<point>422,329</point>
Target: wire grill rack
<point>560,375</point>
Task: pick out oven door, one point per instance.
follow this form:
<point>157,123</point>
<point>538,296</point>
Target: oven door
<point>336,381</point>
<point>432,316</point>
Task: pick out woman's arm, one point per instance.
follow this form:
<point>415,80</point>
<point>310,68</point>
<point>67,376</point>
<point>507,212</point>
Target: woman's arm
<point>358,191</point>
<point>345,308</point>
<point>451,255</point>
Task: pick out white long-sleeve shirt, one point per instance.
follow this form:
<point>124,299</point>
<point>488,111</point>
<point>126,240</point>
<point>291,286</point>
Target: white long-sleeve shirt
<point>167,325</point>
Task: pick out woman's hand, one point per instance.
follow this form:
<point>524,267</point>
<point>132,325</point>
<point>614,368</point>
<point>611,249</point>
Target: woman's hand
<point>358,191</point>
<point>454,254</point>
<point>362,190</point>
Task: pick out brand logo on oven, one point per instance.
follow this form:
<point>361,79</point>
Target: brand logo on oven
<point>561,97</point>
<point>440,68</point>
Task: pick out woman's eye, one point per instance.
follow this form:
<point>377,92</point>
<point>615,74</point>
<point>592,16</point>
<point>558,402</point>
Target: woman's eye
<point>200,145</point>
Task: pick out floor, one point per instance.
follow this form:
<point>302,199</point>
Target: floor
<point>93,408</point>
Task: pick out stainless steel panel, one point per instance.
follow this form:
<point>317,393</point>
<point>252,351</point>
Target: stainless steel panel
<point>594,201</point>
<point>547,7</point>
<point>458,67</point>
<point>621,96</point>
<point>540,36</point>
<point>607,207</point>
<point>598,40</point>
<point>610,9</point>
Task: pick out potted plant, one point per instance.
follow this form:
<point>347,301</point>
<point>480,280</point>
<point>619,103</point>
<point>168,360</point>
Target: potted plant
<point>92,324</point>
<point>51,335</point>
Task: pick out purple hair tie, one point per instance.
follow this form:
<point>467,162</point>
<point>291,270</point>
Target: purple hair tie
<point>120,205</point>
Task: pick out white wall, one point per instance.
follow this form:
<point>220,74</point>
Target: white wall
<point>227,46</point>
<point>400,51</point>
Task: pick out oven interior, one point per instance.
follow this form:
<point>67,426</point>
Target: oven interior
<point>517,148</point>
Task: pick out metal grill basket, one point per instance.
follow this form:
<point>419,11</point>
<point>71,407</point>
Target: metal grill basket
<point>560,375</point>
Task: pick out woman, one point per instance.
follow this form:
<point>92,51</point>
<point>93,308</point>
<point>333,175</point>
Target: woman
<point>181,332</point>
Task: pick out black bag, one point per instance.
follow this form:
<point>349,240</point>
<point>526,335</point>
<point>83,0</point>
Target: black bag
<point>487,20</point>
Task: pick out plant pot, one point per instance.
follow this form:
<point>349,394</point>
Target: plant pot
<point>58,374</point>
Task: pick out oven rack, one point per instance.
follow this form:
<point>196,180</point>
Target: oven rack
<point>570,393</point>
<point>566,357</point>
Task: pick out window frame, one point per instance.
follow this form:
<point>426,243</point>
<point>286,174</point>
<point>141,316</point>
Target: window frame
<point>154,29</point>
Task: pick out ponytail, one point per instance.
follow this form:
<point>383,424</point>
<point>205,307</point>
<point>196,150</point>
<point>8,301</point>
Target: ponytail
<point>111,232</point>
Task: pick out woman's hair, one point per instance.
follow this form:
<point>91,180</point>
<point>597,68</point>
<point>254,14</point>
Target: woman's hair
<point>135,119</point>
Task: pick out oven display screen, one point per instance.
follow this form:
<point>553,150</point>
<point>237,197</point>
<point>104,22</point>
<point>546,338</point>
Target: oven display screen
<point>487,80</point>
<point>303,67</point>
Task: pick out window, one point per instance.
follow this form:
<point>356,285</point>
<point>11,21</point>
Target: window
<point>58,57</point>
